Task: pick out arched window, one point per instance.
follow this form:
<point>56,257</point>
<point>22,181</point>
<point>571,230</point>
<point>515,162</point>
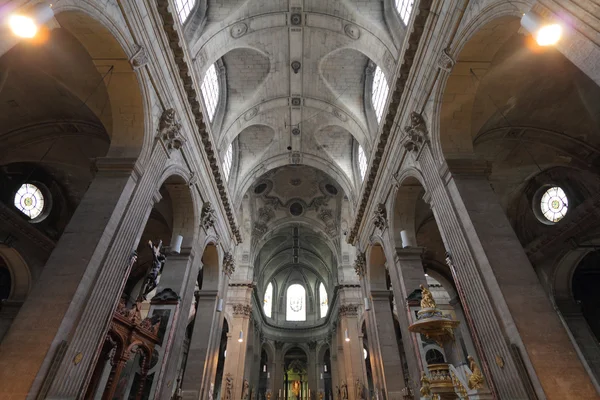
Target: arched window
<point>29,200</point>
<point>268,304</point>
<point>227,161</point>
<point>296,307</point>
<point>362,162</point>
<point>404,8</point>
<point>323,300</point>
<point>379,93</point>
<point>210,91</point>
<point>184,8</point>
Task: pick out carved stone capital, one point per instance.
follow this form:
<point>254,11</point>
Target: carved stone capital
<point>139,58</point>
<point>228,264</point>
<point>380,217</point>
<point>445,61</point>
<point>348,310</point>
<point>360,265</point>
<point>242,309</point>
<point>416,134</point>
<point>207,216</point>
<point>169,130</point>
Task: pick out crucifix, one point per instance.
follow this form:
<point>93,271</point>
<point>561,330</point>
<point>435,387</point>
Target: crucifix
<point>158,262</point>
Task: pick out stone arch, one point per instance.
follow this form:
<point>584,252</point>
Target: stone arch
<point>409,192</point>
<point>376,267</point>
<point>128,127</point>
<point>211,267</point>
<point>19,271</point>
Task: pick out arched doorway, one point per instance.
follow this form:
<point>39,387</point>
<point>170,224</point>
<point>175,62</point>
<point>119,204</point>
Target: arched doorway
<point>295,374</point>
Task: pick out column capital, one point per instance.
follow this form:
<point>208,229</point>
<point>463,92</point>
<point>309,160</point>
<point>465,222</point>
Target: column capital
<point>409,253</point>
<point>207,294</point>
<point>117,165</point>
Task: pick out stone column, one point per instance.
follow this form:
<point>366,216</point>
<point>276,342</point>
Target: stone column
<point>80,285</point>
<point>503,298</point>
<point>406,274</point>
<point>512,282</point>
<point>204,347</point>
<point>353,358</point>
<point>391,364</point>
<point>236,351</point>
<point>277,372</point>
<point>313,375</point>
<point>179,276</point>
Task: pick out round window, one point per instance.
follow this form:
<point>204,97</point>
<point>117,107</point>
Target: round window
<point>296,209</point>
<point>554,204</point>
<point>29,200</point>
<point>260,188</point>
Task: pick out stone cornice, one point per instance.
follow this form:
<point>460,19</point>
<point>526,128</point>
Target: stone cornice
<point>185,73</point>
<point>402,77</point>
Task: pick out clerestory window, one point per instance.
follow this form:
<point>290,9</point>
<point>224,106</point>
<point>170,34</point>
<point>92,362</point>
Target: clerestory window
<point>228,161</point>
<point>379,93</point>
<point>324,304</point>
<point>268,300</point>
<point>210,91</point>
<point>362,162</point>
<point>404,8</point>
<point>296,303</point>
<point>184,8</point>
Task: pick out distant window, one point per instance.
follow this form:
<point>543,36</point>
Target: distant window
<point>404,8</point>
<point>227,162</point>
<point>362,162</point>
<point>554,204</point>
<point>323,300</point>
<point>210,91</point>
<point>296,299</point>
<point>268,304</point>
<point>365,353</point>
<point>184,8</point>
<point>29,200</point>
<point>380,93</point>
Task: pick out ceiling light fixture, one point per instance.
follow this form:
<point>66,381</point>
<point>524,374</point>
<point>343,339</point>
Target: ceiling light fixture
<point>544,32</point>
<point>27,24</point>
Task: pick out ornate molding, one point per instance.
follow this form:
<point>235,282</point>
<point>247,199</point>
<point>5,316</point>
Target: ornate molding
<point>380,217</point>
<point>185,72</point>
<point>348,310</point>
<point>139,58</point>
<point>416,133</point>
<point>387,124</point>
<point>360,265</point>
<point>169,130</point>
<point>445,61</point>
<point>242,309</point>
<point>207,216</point>
<point>228,264</point>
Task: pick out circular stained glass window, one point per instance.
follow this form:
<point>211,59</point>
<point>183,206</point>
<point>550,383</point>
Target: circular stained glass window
<point>29,200</point>
<point>554,204</point>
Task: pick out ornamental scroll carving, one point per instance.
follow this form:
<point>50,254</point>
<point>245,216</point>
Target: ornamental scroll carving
<point>360,265</point>
<point>380,217</point>
<point>139,59</point>
<point>445,61</point>
<point>207,216</point>
<point>228,264</point>
<point>242,309</point>
<point>416,133</point>
<point>169,130</point>
<point>348,310</point>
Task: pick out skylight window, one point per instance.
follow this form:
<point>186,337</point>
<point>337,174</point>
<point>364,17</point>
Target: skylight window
<point>380,93</point>
<point>404,8</point>
<point>268,304</point>
<point>210,91</point>
<point>228,161</point>
<point>362,162</point>
<point>184,8</point>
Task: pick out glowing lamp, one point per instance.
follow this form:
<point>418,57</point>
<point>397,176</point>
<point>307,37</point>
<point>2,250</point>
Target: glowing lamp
<point>241,337</point>
<point>27,24</point>
<point>545,34</point>
<point>346,337</point>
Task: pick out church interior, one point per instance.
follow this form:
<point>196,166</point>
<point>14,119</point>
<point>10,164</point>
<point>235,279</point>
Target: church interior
<point>300,199</point>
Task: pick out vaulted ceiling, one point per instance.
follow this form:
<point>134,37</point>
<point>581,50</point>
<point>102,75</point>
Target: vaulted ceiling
<point>295,104</point>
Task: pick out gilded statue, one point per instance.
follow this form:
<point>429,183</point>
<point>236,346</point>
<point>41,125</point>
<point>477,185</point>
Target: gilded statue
<point>476,378</point>
<point>425,388</point>
<point>427,298</point>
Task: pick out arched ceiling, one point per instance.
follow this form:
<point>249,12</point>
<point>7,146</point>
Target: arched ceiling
<point>294,68</point>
